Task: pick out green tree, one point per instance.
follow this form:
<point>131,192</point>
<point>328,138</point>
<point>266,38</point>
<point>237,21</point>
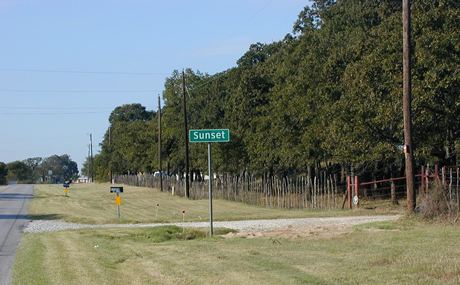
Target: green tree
<point>34,164</point>
<point>3,173</point>
<point>129,143</point>
<point>326,96</point>
<point>19,171</point>
<point>62,167</point>
<point>130,113</point>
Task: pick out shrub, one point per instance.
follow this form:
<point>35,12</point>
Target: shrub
<point>435,204</point>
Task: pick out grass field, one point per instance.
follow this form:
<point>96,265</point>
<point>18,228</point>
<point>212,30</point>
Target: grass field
<point>92,203</point>
<point>403,252</point>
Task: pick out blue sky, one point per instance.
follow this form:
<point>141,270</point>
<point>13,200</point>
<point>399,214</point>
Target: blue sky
<point>64,65</point>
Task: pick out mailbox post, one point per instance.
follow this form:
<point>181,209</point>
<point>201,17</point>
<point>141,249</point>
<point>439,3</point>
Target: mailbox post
<point>66,188</point>
<point>117,191</point>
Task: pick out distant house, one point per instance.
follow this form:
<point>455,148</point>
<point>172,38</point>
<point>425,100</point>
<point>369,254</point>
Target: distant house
<point>82,179</point>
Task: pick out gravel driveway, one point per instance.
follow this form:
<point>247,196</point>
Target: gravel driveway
<point>242,226</point>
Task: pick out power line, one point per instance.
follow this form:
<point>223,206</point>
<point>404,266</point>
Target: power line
<point>51,108</point>
<point>80,71</point>
<point>76,91</point>
<point>56,114</point>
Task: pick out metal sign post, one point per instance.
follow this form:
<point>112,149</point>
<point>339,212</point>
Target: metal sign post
<point>118,202</point>
<point>209,136</point>
<point>66,187</point>
<point>211,229</point>
<point>117,191</point>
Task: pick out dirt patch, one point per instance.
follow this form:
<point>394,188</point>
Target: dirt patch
<point>295,232</point>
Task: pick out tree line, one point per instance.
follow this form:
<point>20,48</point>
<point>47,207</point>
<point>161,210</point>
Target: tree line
<point>326,96</point>
<point>53,169</point>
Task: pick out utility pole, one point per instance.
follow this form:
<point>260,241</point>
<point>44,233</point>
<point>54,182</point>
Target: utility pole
<point>407,113</point>
<point>92,160</point>
<point>187,191</point>
<point>159,143</point>
<point>110,153</point>
<point>89,159</point>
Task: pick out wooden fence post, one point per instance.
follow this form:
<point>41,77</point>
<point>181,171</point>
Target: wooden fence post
<point>450,186</point>
<point>436,172</point>
<point>313,201</point>
<point>357,189</point>
<point>334,186</point>
<point>443,173</point>
<point>394,201</point>
<point>458,196</point>
<point>349,191</point>
<point>422,181</point>
<point>427,182</point>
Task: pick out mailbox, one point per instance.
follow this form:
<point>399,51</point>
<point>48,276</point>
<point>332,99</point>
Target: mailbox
<point>116,189</point>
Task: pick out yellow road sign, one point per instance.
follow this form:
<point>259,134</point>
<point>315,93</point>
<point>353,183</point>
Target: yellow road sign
<point>118,200</point>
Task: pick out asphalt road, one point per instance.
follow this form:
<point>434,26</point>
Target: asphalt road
<point>13,219</point>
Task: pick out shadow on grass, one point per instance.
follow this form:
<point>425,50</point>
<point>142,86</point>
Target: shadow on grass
<point>30,217</point>
<point>15,196</point>
<point>48,196</point>
<point>45,217</point>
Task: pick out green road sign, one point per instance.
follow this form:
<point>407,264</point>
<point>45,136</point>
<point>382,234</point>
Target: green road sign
<point>209,136</point>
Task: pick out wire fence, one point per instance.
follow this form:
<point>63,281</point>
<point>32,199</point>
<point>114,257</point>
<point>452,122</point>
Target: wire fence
<point>448,178</point>
<point>322,192</point>
<point>288,193</point>
<point>426,181</point>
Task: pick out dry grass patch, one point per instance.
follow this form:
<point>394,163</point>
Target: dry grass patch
<point>304,232</point>
<point>402,252</point>
<point>92,203</point>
